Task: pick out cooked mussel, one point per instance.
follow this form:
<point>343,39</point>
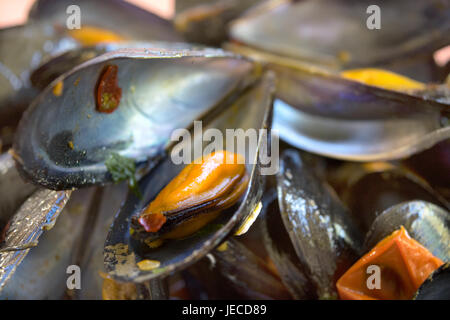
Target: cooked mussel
<point>325,112</point>
<point>124,253</point>
<point>63,141</point>
<point>332,33</point>
<point>346,119</point>
<point>107,15</point>
<point>196,196</point>
<point>46,34</point>
<point>62,63</point>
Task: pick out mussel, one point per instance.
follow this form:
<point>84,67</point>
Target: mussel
<point>323,235</point>
<point>37,214</point>
<point>123,252</point>
<point>196,196</point>
<point>121,106</point>
<point>424,221</point>
<point>32,268</point>
<point>324,112</point>
<point>345,119</point>
<point>47,34</point>
<point>72,152</point>
<point>398,263</point>
<point>107,15</point>
<point>333,33</point>
<point>404,245</point>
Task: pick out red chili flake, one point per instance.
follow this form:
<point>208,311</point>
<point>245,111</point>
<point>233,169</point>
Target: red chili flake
<point>152,222</point>
<point>108,91</point>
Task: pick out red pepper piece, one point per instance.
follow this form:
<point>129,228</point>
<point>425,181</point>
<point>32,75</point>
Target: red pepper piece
<point>152,222</point>
<point>108,91</point>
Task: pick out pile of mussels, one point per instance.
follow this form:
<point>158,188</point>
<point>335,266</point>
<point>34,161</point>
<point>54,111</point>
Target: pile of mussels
<point>359,205</point>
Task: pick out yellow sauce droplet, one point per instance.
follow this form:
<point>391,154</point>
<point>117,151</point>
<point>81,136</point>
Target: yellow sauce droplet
<point>89,35</point>
<point>147,265</point>
<point>383,79</point>
<point>58,89</point>
<point>154,244</point>
<point>70,144</point>
<point>344,56</point>
<point>223,246</point>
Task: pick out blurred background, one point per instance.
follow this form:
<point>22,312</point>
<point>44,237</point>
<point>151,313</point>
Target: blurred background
<point>14,12</point>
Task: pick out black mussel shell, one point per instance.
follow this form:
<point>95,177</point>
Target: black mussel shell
<point>321,230</point>
<point>425,222</point>
<point>122,251</point>
<point>437,286</point>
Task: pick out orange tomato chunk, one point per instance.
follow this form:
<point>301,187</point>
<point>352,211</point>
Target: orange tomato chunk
<point>404,264</point>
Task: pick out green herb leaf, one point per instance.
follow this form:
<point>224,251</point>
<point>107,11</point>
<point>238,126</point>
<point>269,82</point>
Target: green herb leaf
<point>121,169</point>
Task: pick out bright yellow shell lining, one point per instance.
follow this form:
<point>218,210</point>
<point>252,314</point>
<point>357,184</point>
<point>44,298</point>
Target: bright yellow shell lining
<point>383,79</point>
<point>89,36</point>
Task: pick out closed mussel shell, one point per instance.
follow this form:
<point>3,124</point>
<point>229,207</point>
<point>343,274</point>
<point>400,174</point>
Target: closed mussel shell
<point>321,231</point>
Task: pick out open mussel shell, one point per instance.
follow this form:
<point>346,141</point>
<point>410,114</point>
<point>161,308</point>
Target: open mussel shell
<point>376,140</point>
<point>321,231</point>
<point>22,49</point>
<point>122,251</point>
<point>107,14</point>
<point>46,34</point>
<point>333,33</point>
<point>62,63</point>
<point>323,113</point>
<point>37,214</point>
<point>63,141</point>
<point>318,92</point>
<point>437,286</point>
<point>351,121</point>
<point>425,222</point>
<point>42,274</point>
<point>207,22</point>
